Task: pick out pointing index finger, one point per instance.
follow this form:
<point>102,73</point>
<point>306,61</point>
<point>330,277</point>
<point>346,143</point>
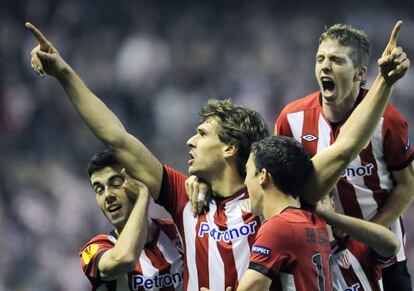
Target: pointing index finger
<point>392,43</point>
<point>39,36</point>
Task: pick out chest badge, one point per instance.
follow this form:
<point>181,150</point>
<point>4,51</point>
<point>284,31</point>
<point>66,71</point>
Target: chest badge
<point>309,137</point>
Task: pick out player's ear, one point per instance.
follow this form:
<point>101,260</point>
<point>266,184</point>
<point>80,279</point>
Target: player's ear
<point>361,73</point>
<point>264,177</point>
<point>230,150</point>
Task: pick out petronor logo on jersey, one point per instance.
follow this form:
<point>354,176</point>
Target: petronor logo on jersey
<point>354,287</point>
<point>158,281</point>
<point>361,171</point>
<point>88,253</point>
<point>309,137</point>
<point>228,234</point>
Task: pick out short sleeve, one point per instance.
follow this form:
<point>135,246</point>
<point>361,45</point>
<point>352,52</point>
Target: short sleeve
<point>272,250</point>
<point>282,126</point>
<point>173,196</point>
<point>398,150</point>
<point>90,255</point>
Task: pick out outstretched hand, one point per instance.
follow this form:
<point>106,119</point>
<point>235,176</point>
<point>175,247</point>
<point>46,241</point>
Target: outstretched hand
<point>394,62</point>
<point>45,58</point>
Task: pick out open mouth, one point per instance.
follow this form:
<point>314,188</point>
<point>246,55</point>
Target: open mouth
<point>114,208</point>
<point>327,84</point>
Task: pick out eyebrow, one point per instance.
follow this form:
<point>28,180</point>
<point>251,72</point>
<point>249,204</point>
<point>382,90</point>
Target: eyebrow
<point>116,176</point>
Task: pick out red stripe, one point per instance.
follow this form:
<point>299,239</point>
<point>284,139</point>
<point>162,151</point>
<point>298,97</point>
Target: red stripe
<point>226,249</point>
<point>348,198</point>
<point>159,262</point>
<point>201,246</point>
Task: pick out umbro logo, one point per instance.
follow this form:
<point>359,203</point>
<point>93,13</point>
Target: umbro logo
<point>309,137</point>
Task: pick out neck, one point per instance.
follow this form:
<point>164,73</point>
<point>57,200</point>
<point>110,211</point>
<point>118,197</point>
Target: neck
<point>337,111</point>
<point>228,183</point>
<point>275,201</point>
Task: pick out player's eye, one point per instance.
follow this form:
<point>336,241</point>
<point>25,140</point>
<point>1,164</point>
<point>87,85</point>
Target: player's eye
<point>117,181</point>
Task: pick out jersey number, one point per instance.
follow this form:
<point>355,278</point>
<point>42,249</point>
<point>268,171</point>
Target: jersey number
<point>317,262</point>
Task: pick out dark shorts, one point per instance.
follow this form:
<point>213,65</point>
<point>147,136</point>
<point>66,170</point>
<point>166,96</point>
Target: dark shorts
<point>396,277</point>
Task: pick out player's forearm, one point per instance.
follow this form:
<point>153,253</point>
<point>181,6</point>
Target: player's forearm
<point>376,236</point>
<point>398,201</point>
<point>99,118</point>
<point>357,130</point>
<point>131,241</point>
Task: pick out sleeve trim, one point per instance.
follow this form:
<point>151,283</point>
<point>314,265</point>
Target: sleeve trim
<point>403,165</point>
<point>164,185</point>
<point>263,270</point>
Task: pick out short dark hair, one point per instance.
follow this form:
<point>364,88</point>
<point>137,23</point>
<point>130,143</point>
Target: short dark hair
<point>286,160</point>
<point>237,125</point>
<point>349,36</point>
<point>103,159</point>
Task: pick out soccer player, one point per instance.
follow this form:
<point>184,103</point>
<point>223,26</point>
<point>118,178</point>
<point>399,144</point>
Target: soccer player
<point>140,253</point>
<point>217,243</point>
<point>360,249</point>
<point>292,249</point>
<point>378,185</point>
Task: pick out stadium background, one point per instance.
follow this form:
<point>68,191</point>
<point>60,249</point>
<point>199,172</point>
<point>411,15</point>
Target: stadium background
<point>154,63</point>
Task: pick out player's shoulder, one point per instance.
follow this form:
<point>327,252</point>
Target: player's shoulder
<point>308,102</point>
<point>171,172</point>
<point>101,239</point>
<point>392,114</point>
<point>286,219</point>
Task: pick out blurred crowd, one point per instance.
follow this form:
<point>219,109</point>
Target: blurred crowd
<point>154,63</point>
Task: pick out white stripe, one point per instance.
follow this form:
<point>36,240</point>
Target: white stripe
<point>338,280</point>
<point>324,133</point>
<point>190,224</point>
<point>296,124</point>
<point>380,284</point>
<point>397,229</point>
<point>171,255</point>
<point>378,151</point>
<point>359,271</point>
<point>364,196</point>
<point>241,248</point>
<point>148,270</point>
<point>288,282</point>
<point>215,262</point>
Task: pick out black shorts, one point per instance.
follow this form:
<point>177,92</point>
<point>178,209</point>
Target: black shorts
<point>396,277</point>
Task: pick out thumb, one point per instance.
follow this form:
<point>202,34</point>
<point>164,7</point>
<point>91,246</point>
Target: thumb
<point>45,56</point>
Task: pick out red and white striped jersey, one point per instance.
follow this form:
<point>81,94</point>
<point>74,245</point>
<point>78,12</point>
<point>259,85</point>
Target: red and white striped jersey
<point>356,267</point>
<point>217,243</point>
<point>160,265</point>
<point>293,250</point>
<point>367,181</point>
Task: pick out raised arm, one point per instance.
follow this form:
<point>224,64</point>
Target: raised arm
<point>122,258</point>
<point>132,154</point>
<point>377,237</point>
<point>356,132</point>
